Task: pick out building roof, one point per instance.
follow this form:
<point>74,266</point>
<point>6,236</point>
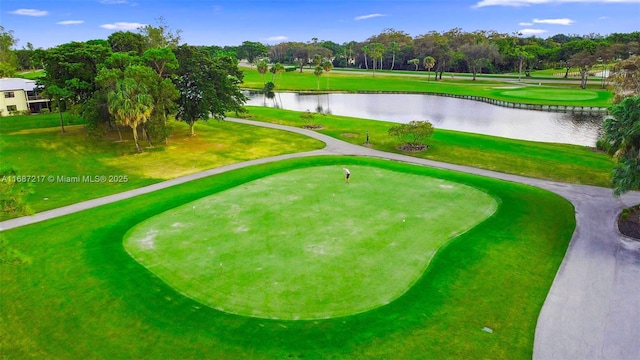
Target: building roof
<point>9,84</point>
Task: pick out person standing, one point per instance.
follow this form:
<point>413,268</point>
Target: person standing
<point>347,175</point>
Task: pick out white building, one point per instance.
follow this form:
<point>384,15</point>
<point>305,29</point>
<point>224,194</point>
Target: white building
<point>20,95</point>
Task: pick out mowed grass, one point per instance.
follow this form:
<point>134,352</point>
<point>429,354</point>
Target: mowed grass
<point>303,244</point>
<point>559,162</point>
<point>34,145</point>
<point>507,90</point>
<point>82,296</point>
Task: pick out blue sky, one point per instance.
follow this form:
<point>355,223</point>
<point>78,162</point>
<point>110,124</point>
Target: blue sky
<point>47,23</point>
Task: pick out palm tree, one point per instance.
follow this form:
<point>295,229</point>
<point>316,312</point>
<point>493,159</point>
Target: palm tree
<point>394,48</point>
<point>262,66</point>
<point>429,62</point>
<point>318,73</point>
<point>131,105</point>
<point>327,66</point>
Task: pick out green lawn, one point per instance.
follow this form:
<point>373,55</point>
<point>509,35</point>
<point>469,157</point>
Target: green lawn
<point>34,145</point>
<point>559,162</point>
<point>74,292</point>
<point>507,90</point>
<point>304,244</point>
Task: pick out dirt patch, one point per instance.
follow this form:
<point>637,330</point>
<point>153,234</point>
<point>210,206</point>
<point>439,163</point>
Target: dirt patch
<point>629,222</point>
<point>413,148</point>
<point>350,135</point>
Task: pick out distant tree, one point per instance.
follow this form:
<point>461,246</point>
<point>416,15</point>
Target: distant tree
<point>429,63</point>
<point>394,47</point>
<point>375,52</point>
<point>276,71</point>
<point>621,140</point>
<point>318,73</point>
<point>413,134</point>
<point>161,35</point>
<point>414,62</point>
<point>478,56</point>
<point>583,60</point>
<point>251,51</point>
<point>262,65</point>
<point>127,41</point>
<point>327,66</point>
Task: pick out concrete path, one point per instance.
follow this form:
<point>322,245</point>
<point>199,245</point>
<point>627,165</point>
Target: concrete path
<point>593,308</point>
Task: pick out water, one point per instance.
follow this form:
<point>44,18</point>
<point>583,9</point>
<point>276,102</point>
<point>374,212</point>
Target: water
<point>448,113</point>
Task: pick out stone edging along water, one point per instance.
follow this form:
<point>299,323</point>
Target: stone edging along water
<point>514,105</point>
<point>538,107</point>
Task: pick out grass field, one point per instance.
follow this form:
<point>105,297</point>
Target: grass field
<point>544,94</point>
<point>35,146</point>
<point>559,162</point>
<point>305,245</point>
<point>74,292</point>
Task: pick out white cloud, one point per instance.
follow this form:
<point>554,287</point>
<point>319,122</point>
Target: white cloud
<point>30,12</point>
<point>364,17</point>
<point>563,21</point>
<point>277,38</point>
<point>517,3</point>
<point>124,26</point>
<point>532,31</point>
<point>70,22</point>
<point>525,24</point>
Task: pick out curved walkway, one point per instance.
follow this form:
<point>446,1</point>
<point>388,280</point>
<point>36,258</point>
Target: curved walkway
<point>593,308</point>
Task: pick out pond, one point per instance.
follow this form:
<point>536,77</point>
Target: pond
<point>447,113</point>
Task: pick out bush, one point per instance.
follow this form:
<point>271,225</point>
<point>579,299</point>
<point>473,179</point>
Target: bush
<point>412,134</point>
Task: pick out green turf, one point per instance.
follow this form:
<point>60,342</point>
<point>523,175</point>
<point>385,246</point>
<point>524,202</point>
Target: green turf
<point>535,94</point>
<point>558,162</point>
<point>80,295</point>
<point>34,145</point>
<point>305,245</point>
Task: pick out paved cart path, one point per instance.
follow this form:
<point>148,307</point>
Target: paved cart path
<point>593,308</point>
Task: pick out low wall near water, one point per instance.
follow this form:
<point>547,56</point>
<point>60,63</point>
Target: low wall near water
<point>554,108</point>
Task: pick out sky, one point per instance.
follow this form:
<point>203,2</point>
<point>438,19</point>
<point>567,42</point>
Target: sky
<point>48,23</point>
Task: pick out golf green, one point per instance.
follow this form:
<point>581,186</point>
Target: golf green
<point>305,245</point>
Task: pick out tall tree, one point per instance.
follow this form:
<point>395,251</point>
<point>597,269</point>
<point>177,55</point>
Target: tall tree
<point>375,51</point>
<point>583,60</point>
<point>209,87</point>
<point>130,103</point>
<point>393,47</point>
<point>478,56</point>
<point>327,66</point>
<point>8,58</point>
<point>262,66</point>
<point>429,62</point>
<point>318,73</point>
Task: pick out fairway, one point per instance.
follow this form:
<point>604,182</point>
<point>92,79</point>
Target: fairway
<point>303,245</point>
<point>551,94</point>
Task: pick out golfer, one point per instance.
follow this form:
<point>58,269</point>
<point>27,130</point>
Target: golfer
<point>347,174</point>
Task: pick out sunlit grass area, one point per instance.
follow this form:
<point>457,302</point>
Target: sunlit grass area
<point>560,162</point>
<point>35,145</point>
<point>563,94</point>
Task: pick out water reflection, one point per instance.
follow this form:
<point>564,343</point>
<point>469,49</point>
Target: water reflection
<point>447,113</point>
